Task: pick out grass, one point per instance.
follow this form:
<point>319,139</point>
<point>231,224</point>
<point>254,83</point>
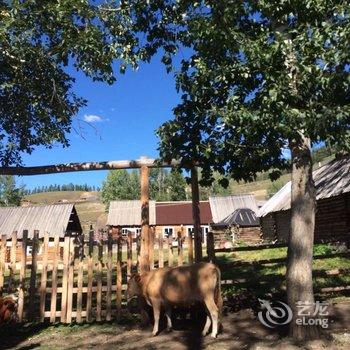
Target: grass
<point>263,272</point>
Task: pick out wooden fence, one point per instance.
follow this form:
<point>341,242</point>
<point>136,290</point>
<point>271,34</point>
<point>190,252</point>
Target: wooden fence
<point>85,283</point>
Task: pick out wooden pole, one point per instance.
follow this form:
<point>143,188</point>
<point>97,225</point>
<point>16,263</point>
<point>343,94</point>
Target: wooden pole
<point>80,280</point>
<point>210,246</point>
<point>56,258</point>
<point>90,276</point>
<point>2,261</point>
<point>119,275</point>
<point>109,277</point>
<point>13,256</point>
<point>44,276</point>
<point>22,276</point>
<point>65,279</point>
<point>33,270</point>
<point>151,247</point>
<point>196,216</point>
<point>144,255</point>
<point>70,282</point>
<point>88,166</point>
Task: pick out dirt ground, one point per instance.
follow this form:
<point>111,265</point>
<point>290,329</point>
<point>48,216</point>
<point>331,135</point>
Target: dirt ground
<point>241,330</point>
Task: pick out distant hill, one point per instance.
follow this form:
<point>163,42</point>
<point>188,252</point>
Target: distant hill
<point>90,208</point>
<point>88,204</point>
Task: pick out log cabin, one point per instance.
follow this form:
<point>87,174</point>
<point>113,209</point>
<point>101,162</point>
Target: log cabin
<point>57,219</point>
<point>332,221</point>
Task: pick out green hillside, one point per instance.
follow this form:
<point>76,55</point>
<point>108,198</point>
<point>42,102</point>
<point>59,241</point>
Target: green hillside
<point>88,204</point>
<point>90,207</point>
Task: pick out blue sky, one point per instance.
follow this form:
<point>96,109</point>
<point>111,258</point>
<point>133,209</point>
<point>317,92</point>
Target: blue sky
<point>124,117</point>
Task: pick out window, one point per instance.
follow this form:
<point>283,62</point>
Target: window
<point>125,231</point>
<point>168,231</point>
<point>205,230</point>
<point>29,249</point>
<point>190,230</point>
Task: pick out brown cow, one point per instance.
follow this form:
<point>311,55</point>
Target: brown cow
<point>180,286</point>
<point>8,310</point>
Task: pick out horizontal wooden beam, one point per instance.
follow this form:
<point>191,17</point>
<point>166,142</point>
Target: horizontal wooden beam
<point>87,166</point>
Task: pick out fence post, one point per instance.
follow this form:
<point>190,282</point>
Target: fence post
<point>2,262</point>
<point>99,282</point>
<point>80,280</point>
<point>109,277</point>
<point>13,260</point>
<point>22,275</point>
<point>90,276</point>
<point>144,256</point>
<point>33,270</point>
<point>70,280</point>
<point>129,255</point>
<point>119,277</point>
<point>210,246</point>
<point>65,279</point>
<point>179,248</point>
<point>44,277</point>
<point>54,279</point>
<point>190,247</point>
<point>160,250</point>
<point>170,250</point>
<point>151,247</point>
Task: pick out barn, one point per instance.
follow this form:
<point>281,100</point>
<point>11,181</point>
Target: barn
<point>125,215</point>
<point>58,219</point>
<point>176,217</point>
<point>332,222</point>
<point>234,218</point>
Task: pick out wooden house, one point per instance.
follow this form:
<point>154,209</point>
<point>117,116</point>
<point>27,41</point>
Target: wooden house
<point>332,221</point>
<point>234,219</point>
<point>57,219</point>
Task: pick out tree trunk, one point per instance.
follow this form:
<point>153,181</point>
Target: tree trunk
<point>197,233</point>
<point>300,247</point>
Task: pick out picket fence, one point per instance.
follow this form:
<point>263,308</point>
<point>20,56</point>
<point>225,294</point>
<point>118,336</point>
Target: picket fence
<point>75,280</point>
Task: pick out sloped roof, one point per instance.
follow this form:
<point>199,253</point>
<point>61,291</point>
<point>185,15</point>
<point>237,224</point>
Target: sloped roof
<point>180,213</point>
<point>223,206</point>
<point>241,217</point>
<point>53,219</point>
<point>331,179</point>
<point>128,213</point>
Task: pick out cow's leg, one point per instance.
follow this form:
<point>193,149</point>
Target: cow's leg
<point>206,327</point>
<point>168,317</point>
<point>214,314</point>
<point>156,313</point>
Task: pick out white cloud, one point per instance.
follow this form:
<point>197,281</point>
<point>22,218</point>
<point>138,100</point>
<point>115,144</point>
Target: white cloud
<point>92,118</point>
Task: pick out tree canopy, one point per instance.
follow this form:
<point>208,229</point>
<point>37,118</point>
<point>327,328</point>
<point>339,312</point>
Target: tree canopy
<point>10,194</point>
<point>164,185</point>
<point>239,111</point>
<point>38,40</point>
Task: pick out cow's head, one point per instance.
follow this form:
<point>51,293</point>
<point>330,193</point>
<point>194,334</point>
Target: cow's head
<point>134,286</point>
<point>8,310</point>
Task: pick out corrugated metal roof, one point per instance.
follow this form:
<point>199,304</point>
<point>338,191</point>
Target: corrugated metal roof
<point>180,213</point>
<point>223,206</point>
<point>240,217</point>
<point>128,213</point>
<point>53,219</point>
<point>331,179</point>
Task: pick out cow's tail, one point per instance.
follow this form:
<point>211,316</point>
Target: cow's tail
<point>218,296</point>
